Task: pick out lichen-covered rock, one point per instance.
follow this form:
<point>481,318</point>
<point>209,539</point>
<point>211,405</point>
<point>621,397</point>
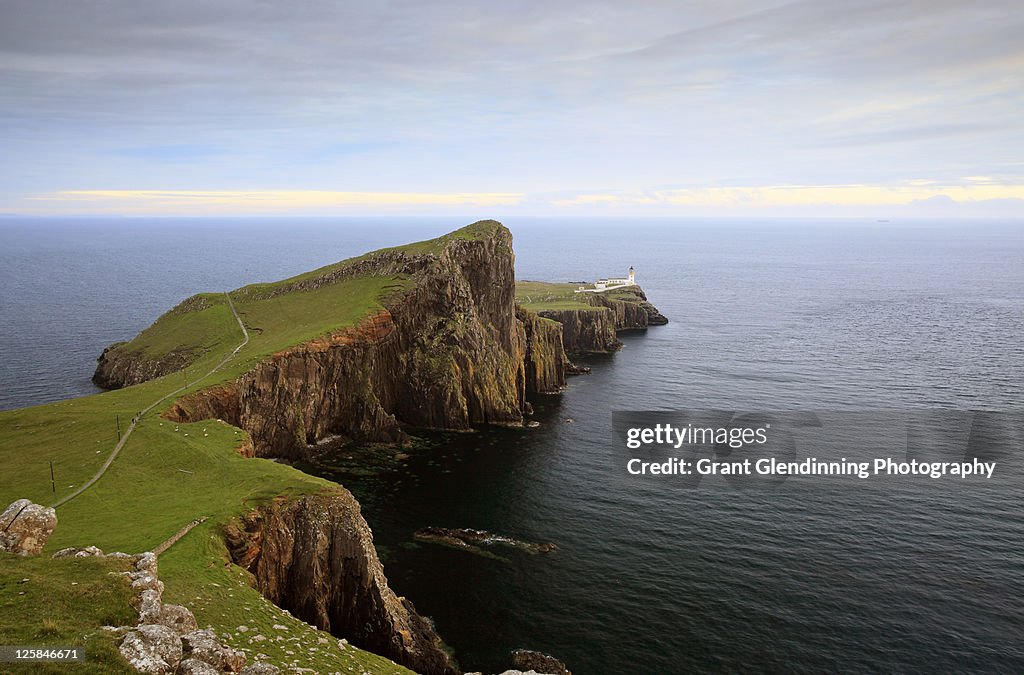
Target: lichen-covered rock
<point>261,669</point>
<point>142,581</point>
<point>149,605</point>
<point>314,556</point>
<point>25,527</point>
<point>177,618</point>
<point>152,649</point>
<point>87,552</point>
<point>196,667</point>
<point>146,562</point>
<point>203,645</point>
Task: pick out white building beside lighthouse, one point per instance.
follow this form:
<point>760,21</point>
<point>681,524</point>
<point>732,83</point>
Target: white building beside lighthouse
<point>610,283</point>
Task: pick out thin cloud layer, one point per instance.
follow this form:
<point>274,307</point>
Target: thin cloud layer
<point>555,103</point>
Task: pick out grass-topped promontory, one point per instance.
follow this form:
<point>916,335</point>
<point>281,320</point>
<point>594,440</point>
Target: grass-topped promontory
<point>481,229</point>
<point>169,474</point>
<point>541,295</point>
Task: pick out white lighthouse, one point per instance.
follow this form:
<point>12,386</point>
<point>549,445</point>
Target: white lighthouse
<point>610,283</point>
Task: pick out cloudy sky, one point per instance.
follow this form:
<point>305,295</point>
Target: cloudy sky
<point>711,107</point>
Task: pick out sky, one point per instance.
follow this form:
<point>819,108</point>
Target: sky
<point>576,108</point>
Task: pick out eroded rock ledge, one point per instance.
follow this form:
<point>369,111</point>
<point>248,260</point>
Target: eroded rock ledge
<point>314,556</point>
<point>595,330</point>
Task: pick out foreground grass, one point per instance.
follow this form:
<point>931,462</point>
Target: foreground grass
<point>170,474</point>
<point>63,603</point>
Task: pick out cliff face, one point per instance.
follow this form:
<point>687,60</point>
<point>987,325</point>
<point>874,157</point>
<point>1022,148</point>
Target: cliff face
<point>314,556</point>
<point>449,353</point>
<point>594,331</point>
<point>631,308</point>
<point>585,330</point>
<point>545,361</point>
<point>117,367</point>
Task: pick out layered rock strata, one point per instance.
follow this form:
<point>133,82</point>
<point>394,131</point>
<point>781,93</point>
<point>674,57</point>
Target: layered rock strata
<point>314,556</point>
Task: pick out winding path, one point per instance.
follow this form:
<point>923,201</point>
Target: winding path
<point>135,420</point>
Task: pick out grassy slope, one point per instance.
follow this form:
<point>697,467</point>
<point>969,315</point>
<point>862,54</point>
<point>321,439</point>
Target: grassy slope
<point>48,602</point>
<point>541,295</point>
<point>196,327</point>
<point>168,474</point>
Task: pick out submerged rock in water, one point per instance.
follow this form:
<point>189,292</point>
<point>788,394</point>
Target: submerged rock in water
<point>525,659</point>
<point>470,539</point>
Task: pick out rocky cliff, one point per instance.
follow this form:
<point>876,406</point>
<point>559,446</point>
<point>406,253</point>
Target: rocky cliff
<point>117,367</point>
<point>630,308</point>
<point>594,330</point>
<point>447,353</point>
<point>314,556</point>
<point>586,331</point>
<point>544,361</point>
<point>123,364</point>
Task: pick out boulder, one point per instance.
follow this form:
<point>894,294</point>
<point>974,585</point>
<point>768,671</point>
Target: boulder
<point>261,669</point>
<point>87,552</point>
<point>177,618</point>
<point>146,581</point>
<point>25,527</point>
<point>152,649</point>
<point>203,645</point>
<point>146,562</point>
<point>196,667</point>
<point>9,514</point>
<point>149,603</point>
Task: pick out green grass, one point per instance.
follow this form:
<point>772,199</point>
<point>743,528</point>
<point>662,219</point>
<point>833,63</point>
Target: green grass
<point>481,229</point>
<point>285,320</point>
<point>195,327</point>
<point>170,474</point>
<point>280,313</point>
<point>541,295</point>
<point>63,603</point>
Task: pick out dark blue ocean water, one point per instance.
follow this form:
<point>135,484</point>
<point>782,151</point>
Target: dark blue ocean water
<point>905,575</point>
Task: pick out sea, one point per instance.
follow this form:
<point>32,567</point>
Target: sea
<point>911,574</point>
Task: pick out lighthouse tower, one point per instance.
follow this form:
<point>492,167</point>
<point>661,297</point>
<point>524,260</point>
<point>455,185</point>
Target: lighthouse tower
<point>632,276</point>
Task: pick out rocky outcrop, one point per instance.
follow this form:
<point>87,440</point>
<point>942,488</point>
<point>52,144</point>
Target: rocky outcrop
<point>594,331</point>
<point>544,361</point>
<point>314,556</point>
<point>166,639</point>
<point>525,659</point>
<point>25,527</point>
<point>630,307</point>
<point>152,649</point>
<point>586,331</point>
<point>119,366</point>
<point>466,538</point>
<point>448,354</point>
